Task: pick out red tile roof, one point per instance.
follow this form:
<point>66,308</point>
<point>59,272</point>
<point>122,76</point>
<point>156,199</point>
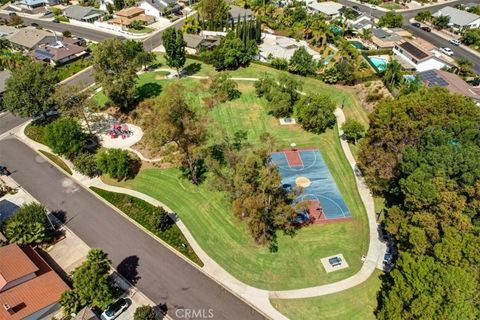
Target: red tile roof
<point>21,267</point>
<point>32,295</point>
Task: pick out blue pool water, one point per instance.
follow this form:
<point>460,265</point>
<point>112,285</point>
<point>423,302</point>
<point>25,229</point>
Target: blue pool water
<point>379,63</point>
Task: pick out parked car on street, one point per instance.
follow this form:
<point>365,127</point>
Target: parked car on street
<point>55,20</point>
<point>34,24</point>
<point>447,51</point>
<point>115,309</point>
<point>427,29</point>
<point>455,42</point>
<point>416,24</point>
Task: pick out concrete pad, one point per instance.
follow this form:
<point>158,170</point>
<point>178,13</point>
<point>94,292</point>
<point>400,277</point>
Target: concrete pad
<point>328,267</point>
<point>287,121</point>
<point>68,253</point>
<point>120,143</point>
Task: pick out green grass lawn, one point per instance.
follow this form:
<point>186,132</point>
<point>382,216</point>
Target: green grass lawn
<point>356,303</point>
<point>71,68</point>
<point>207,213</point>
<point>140,211</point>
<point>57,160</point>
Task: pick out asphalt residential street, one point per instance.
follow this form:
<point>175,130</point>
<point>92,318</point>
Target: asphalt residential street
<point>8,121</point>
<point>163,276</point>
<point>430,37</point>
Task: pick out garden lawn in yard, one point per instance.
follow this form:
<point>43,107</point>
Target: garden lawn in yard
<point>208,216</point>
<point>71,68</point>
<point>140,211</point>
<point>357,303</point>
<point>57,160</point>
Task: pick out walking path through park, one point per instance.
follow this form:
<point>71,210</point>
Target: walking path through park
<point>257,297</point>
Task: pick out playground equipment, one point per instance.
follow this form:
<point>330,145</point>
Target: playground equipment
<point>119,130</point>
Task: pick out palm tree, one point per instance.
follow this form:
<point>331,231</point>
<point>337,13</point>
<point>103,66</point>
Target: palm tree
<point>367,34</point>
<point>393,74</point>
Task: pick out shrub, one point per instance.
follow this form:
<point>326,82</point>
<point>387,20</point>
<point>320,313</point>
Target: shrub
<point>65,137</point>
<point>56,11</point>
<point>224,87</point>
<point>144,313</point>
<point>279,63</point>
<point>86,164</point>
<point>115,162</point>
<point>353,130</point>
<point>29,225</point>
<point>160,220</point>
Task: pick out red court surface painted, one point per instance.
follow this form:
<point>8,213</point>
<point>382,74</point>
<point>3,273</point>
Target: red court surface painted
<point>293,158</point>
<point>316,215</point>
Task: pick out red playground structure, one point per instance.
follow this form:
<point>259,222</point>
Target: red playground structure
<point>119,130</point>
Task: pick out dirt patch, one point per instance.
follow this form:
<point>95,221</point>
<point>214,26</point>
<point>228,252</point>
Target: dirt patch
<point>369,93</point>
<point>160,77</point>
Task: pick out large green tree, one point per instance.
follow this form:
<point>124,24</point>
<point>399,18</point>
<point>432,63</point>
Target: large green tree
<point>91,280</point>
<point>282,93</point>
<point>421,152</point>
<point>353,130</point>
<point>170,120</point>
<point>315,112</point>
<point>441,22</point>
<point>65,137</point>
<point>302,62</point>
<point>29,90</point>
<point>115,66</point>
<point>391,19</point>
<point>214,12</point>
<point>174,48</point>
<point>233,53</point>
<point>29,225</point>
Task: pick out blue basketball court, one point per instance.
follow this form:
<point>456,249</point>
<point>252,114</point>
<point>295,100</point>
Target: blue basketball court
<point>306,168</point>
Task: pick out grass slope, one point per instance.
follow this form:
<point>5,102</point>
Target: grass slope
<point>140,210</point>
<point>357,303</point>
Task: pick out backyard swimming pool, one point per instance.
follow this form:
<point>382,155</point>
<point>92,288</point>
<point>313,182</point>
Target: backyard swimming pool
<point>358,45</point>
<point>379,63</point>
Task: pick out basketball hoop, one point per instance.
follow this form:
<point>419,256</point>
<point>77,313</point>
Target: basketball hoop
<point>293,145</point>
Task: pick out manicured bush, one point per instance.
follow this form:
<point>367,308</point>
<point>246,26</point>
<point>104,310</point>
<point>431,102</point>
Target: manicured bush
<point>159,219</point>
<point>65,137</point>
<point>353,130</point>
<point>86,164</point>
<point>115,162</point>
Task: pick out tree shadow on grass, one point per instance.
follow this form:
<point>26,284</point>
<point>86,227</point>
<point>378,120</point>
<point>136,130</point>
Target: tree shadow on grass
<point>149,90</point>
<point>128,269</point>
<point>191,69</point>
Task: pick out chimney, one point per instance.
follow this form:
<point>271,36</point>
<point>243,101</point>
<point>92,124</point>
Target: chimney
<point>9,309</point>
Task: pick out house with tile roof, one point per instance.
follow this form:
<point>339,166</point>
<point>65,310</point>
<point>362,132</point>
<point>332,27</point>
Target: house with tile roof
<point>29,288</point>
<point>58,53</point>
<point>126,16</point>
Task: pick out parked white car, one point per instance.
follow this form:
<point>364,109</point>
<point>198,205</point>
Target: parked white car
<point>115,309</point>
<point>447,51</point>
<point>455,42</point>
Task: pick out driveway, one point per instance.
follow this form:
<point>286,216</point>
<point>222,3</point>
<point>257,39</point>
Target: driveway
<point>163,276</point>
